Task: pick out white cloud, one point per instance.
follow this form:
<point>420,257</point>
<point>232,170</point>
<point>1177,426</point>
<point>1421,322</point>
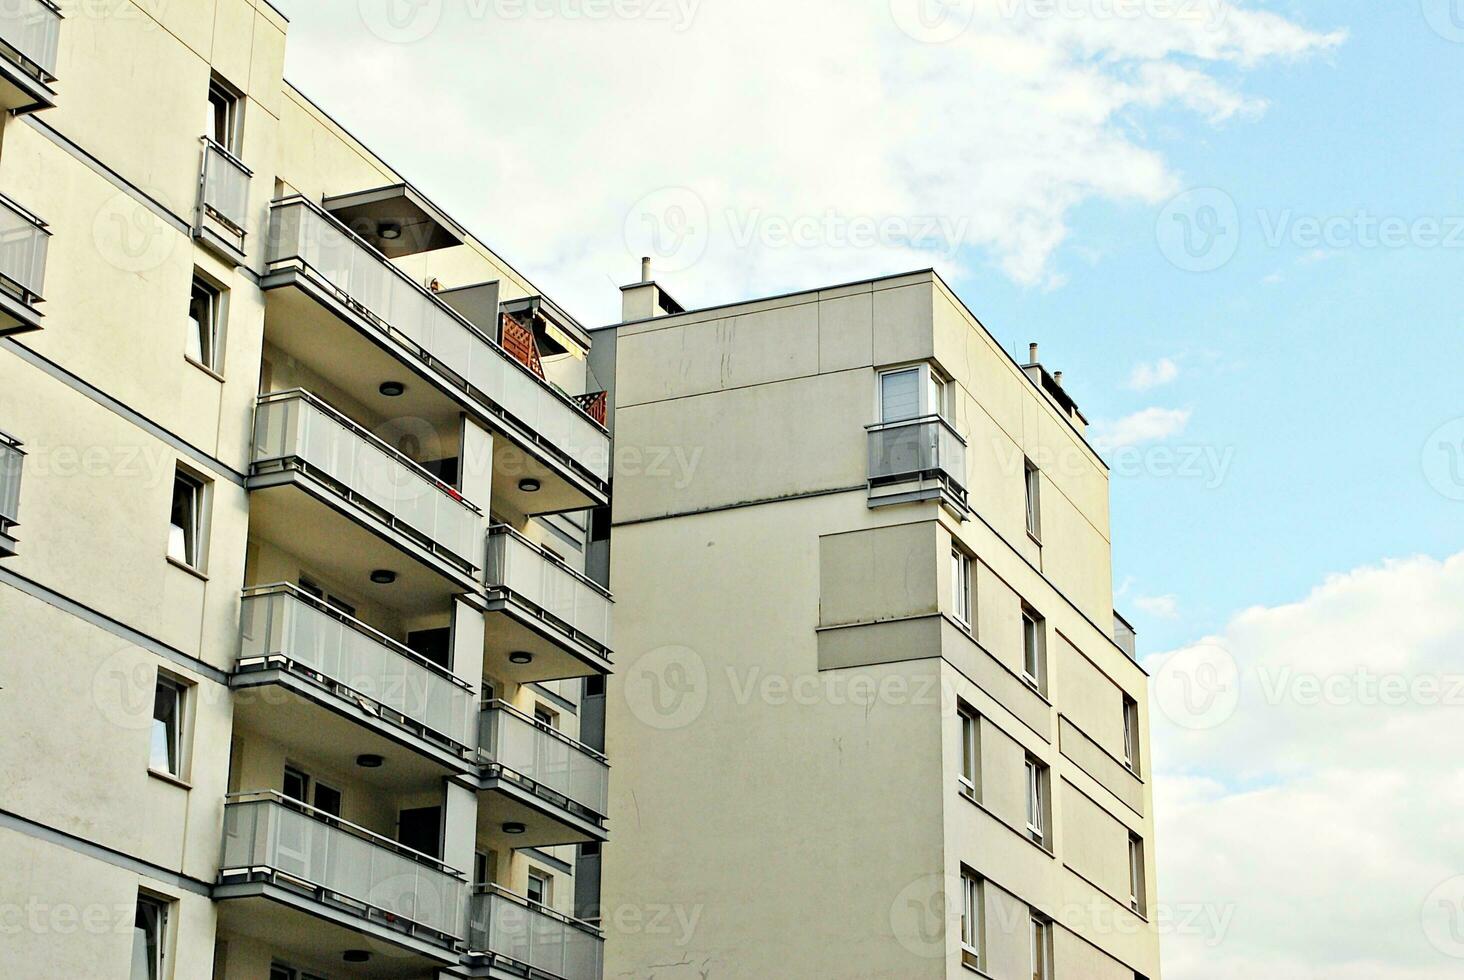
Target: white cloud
<point>1323,811</point>
<point>1148,425</point>
<point>807,122</point>
<point>1152,375</point>
<point>1159,606</point>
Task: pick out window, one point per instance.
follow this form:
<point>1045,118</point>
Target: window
<point>1131,733</point>
<point>541,887</point>
<point>1032,648</point>
<point>299,785</point>
<point>485,867</point>
<point>971,924</point>
<point>149,934</point>
<point>546,717</point>
<point>185,531</point>
<point>167,726</point>
<point>327,800</point>
<point>912,393</point>
<point>309,587</point>
<point>223,115</point>
<point>1041,949</point>
<point>205,313</point>
<point>970,777</point>
<point>594,686</point>
<point>1136,874</point>
<point>1034,500</point>
<point>296,785</point>
<point>1036,800</point>
<point>961,586</point>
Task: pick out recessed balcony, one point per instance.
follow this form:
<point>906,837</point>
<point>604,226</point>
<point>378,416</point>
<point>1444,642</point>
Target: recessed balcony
<point>30,37</point>
<point>323,486</point>
<point>515,938</point>
<point>220,220</point>
<point>540,787</point>
<point>312,885</point>
<point>340,307</point>
<point>311,675</point>
<point>12,458</point>
<point>545,620</point>
<point>918,459</point>
<point>24,241</point>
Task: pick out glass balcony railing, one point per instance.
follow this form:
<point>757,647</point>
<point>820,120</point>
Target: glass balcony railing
<point>574,603</point>
<point>224,193</point>
<point>283,627</point>
<point>30,36</point>
<point>501,924</point>
<point>525,750</point>
<point>295,429</point>
<point>272,838</point>
<point>24,241</point>
<point>302,234</point>
<point>917,448</point>
<point>11,461</point>
<point>1125,637</point>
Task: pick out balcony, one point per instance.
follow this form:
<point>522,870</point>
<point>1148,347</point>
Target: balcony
<point>309,674</point>
<point>11,460</point>
<point>918,459</point>
<point>30,36</point>
<point>339,306</point>
<point>223,203</point>
<point>556,789</point>
<point>324,486</point>
<point>1125,637</point>
<point>24,240</point>
<point>514,937</point>
<point>312,885</point>
<point>545,620</point>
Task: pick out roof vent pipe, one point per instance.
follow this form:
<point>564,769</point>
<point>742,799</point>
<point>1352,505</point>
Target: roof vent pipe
<point>1032,353</point>
<point>645,268</point>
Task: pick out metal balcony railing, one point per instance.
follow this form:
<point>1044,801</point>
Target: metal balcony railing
<point>362,278</point>
<point>12,459</point>
<point>30,36</point>
<point>923,447</point>
<point>559,594</point>
<point>502,924</point>
<point>269,837</point>
<point>284,628</point>
<point>296,429</point>
<point>223,195</point>
<point>545,761</point>
<point>24,241</point>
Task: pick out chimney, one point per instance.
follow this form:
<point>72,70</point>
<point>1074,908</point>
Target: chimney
<point>1031,353</point>
<point>645,299</point>
<point>645,269</point>
<point>1057,378</point>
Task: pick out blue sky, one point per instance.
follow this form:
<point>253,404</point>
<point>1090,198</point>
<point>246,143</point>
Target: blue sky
<point>1316,547</point>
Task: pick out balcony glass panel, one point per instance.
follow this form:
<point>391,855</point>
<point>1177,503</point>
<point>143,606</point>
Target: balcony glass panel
<point>515,741</point>
<point>265,833</point>
<point>282,624</point>
<point>32,28</point>
<point>11,460</point>
<point>908,449</point>
<point>506,925</point>
<point>299,232</point>
<point>225,187</point>
<point>294,425</point>
<point>23,245</point>
<point>523,568</point>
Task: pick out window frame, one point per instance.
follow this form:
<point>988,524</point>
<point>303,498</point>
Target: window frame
<point>226,98</point>
<point>1034,649</point>
<point>1136,874</point>
<point>194,552</point>
<point>969,776</point>
<point>208,337</point>
<point>1131,734</point>
<point>972,919</point>
<point>546,891</point>
<point>1032,486</point>
<point>932,393</point>
<point>1041,948</point>
<point>962,597</point>
<point>177,738</point>
<point>1036,775</point>
<point>157,963</point>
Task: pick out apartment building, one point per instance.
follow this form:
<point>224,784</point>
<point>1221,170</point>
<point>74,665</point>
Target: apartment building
<point>301,672</point>
<point>873,713</point>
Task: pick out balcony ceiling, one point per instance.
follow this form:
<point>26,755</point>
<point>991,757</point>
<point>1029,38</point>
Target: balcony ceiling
<point>423,226</point>
<point>309,941</point>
